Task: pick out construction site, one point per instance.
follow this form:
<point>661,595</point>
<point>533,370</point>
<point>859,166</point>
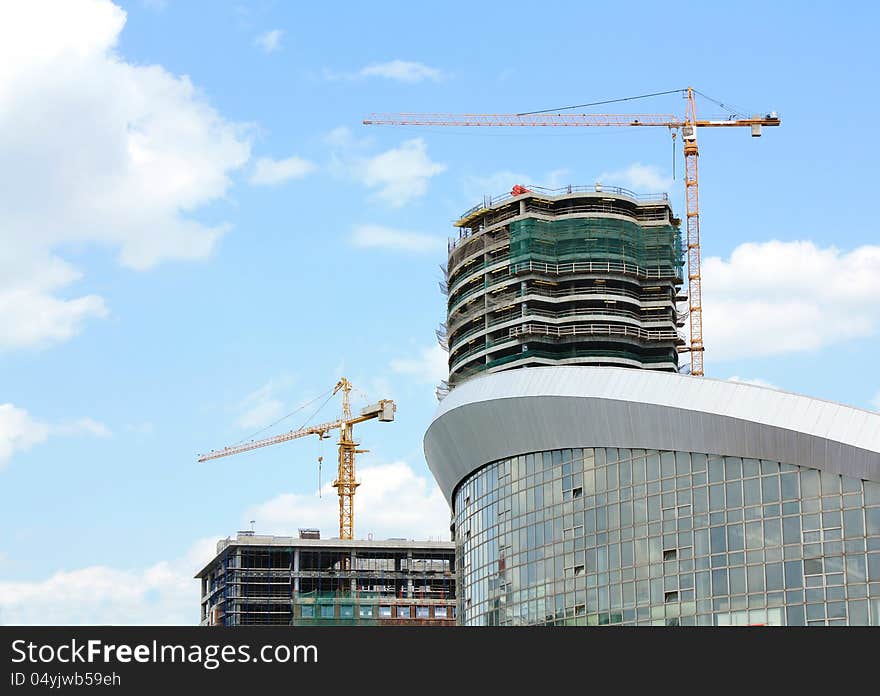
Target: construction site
<point>594,475</point>
<point>308,581</point>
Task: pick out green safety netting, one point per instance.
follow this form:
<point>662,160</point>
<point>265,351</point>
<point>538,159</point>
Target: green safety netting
<point>596,239</point>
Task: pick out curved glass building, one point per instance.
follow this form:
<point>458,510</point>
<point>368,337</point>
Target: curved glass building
<point>601,495</point>
<point>579,276</point>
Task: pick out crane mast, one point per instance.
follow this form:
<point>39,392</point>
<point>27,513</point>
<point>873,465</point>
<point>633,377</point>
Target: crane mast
<point>345,483</point>
<point>688,126</point>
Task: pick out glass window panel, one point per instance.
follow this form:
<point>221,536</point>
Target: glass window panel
<point>789,485</point>
<point>874,566</point>
<point>701,501</point>
<point>851,485</point>
<point>831,519</point>
<point>653,467</point>
<point>774,576</point>
<point>752,491</point>
<point>718,539</point>
<point>735,537</point>
<point>719,582</point>
<point>830,483</point>
<point>702,585</point>
<point>750,467</point>
<point>737,580</point>
<point>638,470</point>
<point>755,574</point>
<point>682,463</point>
<point>855,568</point>
<point>667,464</point>
<point>732,468</point>
<point>754,535</point>
<point>734,494</point>
<point>772,532</point>
<point>793,575</point>
<point>791,530</point>
<point>625,472</point>
<point>716,470</point>
<point>308,611</point>
<point>815,611</point>
<point>701,542</point>
<point>768,467</point>
<point>698,461</point>
<point>770,489</point>
<point>654,508</point>
<point>794,616</point>
<point>716,497</point>
<point>872,492</point>
<point>809,483</point>
<point>853,523</point>
<point>836,610</point>
<point>872,521</point>
<point>858,613</point>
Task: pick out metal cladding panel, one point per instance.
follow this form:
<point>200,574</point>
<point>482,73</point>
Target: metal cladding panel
<point>518,411</point>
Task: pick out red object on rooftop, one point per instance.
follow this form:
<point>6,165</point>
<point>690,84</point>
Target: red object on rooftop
<point>518,190</point>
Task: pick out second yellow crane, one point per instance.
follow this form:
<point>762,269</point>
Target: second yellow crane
<point>345,482</point>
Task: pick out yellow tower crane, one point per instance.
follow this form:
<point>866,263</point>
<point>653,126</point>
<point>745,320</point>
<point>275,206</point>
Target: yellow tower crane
<point>687,124</point>
<point>345,482</point>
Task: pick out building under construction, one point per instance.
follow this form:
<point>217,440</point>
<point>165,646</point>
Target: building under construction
<point>574,276</point>
<point>307,581</point>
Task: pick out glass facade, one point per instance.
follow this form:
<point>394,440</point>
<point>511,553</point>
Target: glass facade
<point>632,536</point>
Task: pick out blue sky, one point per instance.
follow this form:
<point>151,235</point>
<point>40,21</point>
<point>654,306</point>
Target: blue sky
<point>199,236</point>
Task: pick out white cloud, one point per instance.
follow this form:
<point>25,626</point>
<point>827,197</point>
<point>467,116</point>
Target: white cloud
<point>430,366</point>
<point>269,172</point>
<point>875,402</point>
<point>753,381</point>
<point>776,298</point>
<point>377,236</point>
<point>164,593</point>
<point>19,431</point>
<point>401,71</point>
<point>641,178</point>
<point>270,41</point>
<point>400,174</point>
<point>126,153</point>
<point>264,405</point>
<point>392,501</point>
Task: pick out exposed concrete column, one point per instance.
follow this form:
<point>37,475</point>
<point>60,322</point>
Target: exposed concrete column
<point>296,571</point>
<point>522,207</point>
<point>409,580</point>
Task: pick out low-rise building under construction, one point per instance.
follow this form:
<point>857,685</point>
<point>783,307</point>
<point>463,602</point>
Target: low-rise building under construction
<point>271,580</point>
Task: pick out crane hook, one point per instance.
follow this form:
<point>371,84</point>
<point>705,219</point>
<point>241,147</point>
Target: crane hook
<point>320,461</point>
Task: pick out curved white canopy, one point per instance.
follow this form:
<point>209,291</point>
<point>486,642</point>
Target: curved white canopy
<point>541,408</point>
